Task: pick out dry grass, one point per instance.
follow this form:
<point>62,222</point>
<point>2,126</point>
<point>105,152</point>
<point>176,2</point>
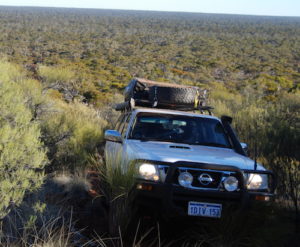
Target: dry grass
<point>48,217</point>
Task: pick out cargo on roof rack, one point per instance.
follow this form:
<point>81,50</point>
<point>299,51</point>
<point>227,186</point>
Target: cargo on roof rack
<point>146,93</point>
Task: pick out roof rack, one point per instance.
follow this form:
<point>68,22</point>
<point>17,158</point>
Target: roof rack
<point>146,93</point>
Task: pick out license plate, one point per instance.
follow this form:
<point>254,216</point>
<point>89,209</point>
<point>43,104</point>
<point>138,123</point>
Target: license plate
<point>205,209</point>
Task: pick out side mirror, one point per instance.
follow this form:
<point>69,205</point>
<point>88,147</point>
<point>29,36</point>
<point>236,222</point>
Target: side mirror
<point>113,136</point>
<point>244,146</point>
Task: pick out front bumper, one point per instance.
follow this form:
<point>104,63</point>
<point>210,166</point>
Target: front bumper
<point>171,200</point>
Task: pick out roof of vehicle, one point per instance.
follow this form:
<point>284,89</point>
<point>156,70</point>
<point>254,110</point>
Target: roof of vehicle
<point>167,111</point>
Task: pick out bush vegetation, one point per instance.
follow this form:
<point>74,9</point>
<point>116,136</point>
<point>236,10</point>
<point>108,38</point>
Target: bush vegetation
<point>72,132</point>
<point>22,154</point>
<point>58,81</point>
<point>272,128</point>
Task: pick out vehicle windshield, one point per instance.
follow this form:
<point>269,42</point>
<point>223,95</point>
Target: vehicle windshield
<point>179,129</point>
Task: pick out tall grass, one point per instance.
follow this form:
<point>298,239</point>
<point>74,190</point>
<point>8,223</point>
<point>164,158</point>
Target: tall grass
<point>118,179</point>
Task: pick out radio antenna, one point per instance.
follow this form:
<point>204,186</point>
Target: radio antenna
<point>255,146</point>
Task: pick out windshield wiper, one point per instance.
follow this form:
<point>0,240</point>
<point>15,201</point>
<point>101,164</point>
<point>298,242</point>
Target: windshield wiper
<point>155,139</point>
<point>146,139</point>
<point>213,144</point>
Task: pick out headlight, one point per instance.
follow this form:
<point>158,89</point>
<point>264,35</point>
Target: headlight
<point>257,181</point>
<point>231,183</point>
<point>149,172</point>
<point>185,179</point>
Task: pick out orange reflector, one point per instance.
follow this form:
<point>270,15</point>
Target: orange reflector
<point>93,193</point>
<point>144,187</point>
<point>262,198</point>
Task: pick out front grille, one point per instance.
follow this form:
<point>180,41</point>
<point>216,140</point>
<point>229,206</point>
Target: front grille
<point>163,170</point>
<point>205,179</point>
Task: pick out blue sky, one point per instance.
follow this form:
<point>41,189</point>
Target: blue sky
<point>254,7</point>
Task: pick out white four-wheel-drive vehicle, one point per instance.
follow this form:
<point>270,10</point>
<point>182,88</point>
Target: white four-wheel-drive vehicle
<point>188,164</point>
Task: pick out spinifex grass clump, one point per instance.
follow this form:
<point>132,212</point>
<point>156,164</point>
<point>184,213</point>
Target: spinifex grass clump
<point>118,179</point>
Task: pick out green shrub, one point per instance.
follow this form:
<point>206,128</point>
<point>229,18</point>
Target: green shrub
<point>72,132</point>
<point>52,75</point>
<point>288,170</point>
<point>273,128</point>
<point>61,79</point>
<point>22,155</point>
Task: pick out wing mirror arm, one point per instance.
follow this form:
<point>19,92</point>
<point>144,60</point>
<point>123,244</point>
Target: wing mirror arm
<point>244,147</point>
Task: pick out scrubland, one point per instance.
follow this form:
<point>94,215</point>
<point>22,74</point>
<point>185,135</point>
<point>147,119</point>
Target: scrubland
<point>61,70</point>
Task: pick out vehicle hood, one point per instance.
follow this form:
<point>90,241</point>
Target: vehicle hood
<point>163,151</point>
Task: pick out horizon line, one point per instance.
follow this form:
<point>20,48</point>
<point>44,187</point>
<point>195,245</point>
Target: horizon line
<point>147,10</point>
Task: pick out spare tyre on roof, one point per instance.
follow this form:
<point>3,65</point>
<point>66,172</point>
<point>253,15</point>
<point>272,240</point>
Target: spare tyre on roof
<point>146,93</point>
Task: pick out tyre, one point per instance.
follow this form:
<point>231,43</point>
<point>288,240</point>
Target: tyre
<point>173,95</point>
